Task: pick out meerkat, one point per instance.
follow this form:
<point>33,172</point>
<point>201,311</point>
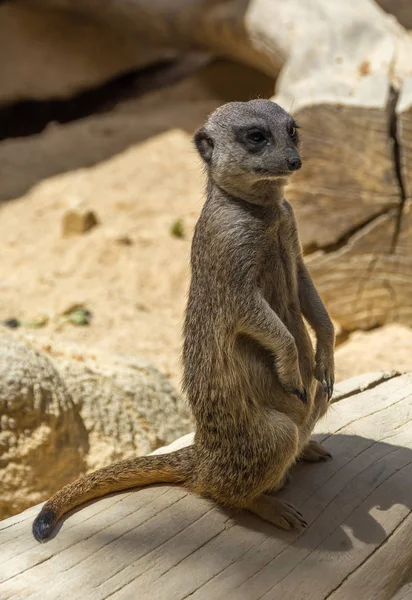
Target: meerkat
<point>254,383</point>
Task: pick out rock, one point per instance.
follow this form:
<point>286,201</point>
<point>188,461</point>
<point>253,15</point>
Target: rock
<point>43,441</point>
<point>64,411</point>
<point>127,406</point>
<point>77,220</point>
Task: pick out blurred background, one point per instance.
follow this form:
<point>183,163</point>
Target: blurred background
<point>100,188</point>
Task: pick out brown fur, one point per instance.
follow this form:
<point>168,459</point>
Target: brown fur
<point>249,367</point>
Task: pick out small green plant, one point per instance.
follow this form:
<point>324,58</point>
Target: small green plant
<point>177,229</point>
<point>78,315</point>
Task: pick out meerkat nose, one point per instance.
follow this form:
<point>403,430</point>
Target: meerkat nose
<point>294,163</point>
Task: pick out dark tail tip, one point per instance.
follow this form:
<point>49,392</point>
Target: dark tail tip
<point>44,524</point>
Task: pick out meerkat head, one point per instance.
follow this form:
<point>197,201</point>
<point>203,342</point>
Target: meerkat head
<point>244,143</point>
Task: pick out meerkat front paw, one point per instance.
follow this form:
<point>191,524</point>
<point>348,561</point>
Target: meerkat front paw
<point>300,393</point>
<point>294,385</point>
<point>314,452</point>
<point>325,371</point>
<point>287,366</point>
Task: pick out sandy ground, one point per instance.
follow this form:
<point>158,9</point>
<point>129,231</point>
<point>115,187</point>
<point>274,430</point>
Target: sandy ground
<point>137,170</point>
<point>388,348</point>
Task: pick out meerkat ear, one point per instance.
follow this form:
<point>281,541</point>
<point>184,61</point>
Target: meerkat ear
<point>204,144</point>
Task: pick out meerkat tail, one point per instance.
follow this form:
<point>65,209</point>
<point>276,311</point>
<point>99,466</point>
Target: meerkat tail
<point>175,467</point>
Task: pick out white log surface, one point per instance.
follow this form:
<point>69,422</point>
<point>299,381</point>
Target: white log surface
<point>164,543</point>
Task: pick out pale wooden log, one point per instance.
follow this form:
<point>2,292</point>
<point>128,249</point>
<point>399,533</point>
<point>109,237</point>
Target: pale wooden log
<point>361,383</point>
<point>53,55</point>
<point>265,33</point>
<point>349,198</point>
<point>368,281</point>
<point>404,225</point>
<point>162,542</point>
<point>353,280</point>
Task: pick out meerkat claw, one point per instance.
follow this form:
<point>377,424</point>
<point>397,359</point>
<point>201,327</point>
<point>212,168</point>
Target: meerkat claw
<point>330,388</point>
<point>315,452</point>
<point>327,385</point>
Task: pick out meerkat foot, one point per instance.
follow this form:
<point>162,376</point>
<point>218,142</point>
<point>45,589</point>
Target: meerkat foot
<point>314,452</point>
<point>279,513</point>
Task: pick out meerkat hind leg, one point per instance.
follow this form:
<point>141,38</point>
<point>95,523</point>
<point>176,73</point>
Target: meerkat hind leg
<point>284,482</point>
<point>279,513</point>
<point>314,452</point>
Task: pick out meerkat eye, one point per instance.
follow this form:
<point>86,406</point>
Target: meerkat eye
<point>255,136</point>
<point>292,130</point>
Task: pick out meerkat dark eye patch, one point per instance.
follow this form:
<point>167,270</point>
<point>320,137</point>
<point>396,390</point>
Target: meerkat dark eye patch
<point>254,138</point>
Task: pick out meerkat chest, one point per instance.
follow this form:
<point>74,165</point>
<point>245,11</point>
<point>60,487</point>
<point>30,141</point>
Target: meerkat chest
<point>279,270</point>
